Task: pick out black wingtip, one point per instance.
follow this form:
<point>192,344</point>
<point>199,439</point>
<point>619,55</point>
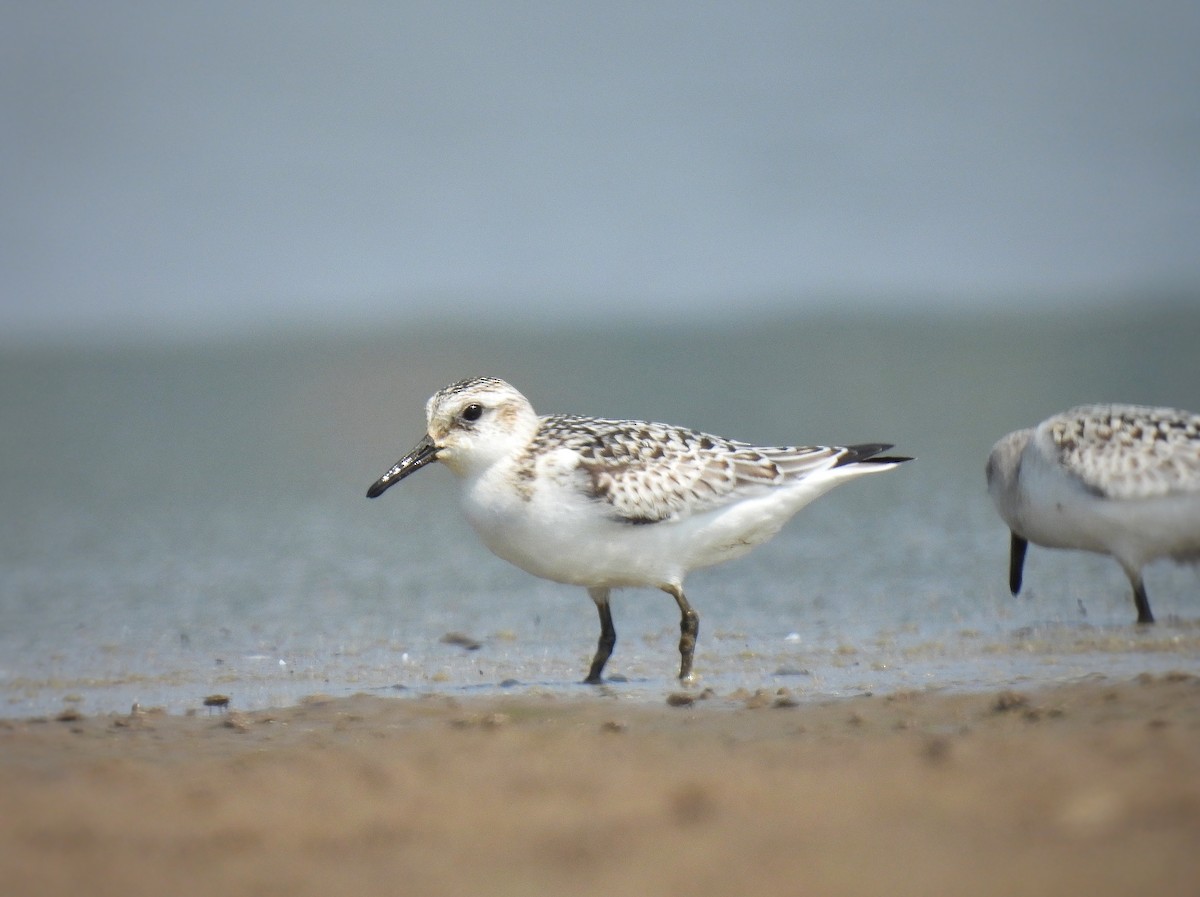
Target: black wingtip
<point>868,453</point>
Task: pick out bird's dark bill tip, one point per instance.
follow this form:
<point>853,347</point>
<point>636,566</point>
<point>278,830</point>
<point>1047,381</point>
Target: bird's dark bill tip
<point>379,487</point>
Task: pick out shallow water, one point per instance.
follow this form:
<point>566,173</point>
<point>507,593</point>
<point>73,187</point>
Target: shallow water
<point>187,520</point>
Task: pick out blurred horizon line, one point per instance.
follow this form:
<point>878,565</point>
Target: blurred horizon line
<point>573,310</point>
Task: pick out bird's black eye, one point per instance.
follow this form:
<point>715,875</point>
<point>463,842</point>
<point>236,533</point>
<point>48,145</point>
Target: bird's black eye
<point>474,411</point>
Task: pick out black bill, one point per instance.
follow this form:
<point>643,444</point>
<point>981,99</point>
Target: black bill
<point>423,453</point>
<point>1016,563</point>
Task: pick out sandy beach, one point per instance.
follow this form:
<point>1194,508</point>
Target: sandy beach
<point>1090,787</point>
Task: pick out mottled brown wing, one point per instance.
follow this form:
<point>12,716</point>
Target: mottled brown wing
<point>653,472</point>
<point>1129,452</point>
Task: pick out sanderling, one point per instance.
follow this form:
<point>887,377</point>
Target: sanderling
<point>1122,480</point>
<point>615,503</point>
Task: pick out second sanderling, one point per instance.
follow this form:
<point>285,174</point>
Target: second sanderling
<point>617,503</point>
<point>1122,480</point>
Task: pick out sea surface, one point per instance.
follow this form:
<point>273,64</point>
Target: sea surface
<point>187,519</point>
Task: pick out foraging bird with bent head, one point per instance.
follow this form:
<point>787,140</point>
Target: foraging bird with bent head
<point>1121,480</point>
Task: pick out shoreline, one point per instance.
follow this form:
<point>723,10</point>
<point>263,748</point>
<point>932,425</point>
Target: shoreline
<point>1052,789</point>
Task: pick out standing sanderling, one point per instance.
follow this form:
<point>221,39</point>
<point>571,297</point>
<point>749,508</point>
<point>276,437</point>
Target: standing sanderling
<point>1121,480</point>
<point>612,503</point>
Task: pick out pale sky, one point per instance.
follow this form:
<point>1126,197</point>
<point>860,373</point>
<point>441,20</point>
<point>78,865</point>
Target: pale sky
<point>189,167</point>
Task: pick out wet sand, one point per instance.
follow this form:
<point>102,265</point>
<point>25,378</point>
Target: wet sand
<point>1091,787</point>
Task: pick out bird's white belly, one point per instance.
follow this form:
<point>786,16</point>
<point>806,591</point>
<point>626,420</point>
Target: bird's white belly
<point>583,544</point>
<point>1060,515</point>
<point>551,528</point>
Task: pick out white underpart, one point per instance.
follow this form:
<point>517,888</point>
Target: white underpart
<point>1120,480</point>
<point>560,533</point>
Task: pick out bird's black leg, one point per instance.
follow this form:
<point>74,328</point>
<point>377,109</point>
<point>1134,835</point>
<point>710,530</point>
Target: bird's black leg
<point>689,628</point>
<point>1140,599</point>
<point>608,636</point>
<point>1016,563</point>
